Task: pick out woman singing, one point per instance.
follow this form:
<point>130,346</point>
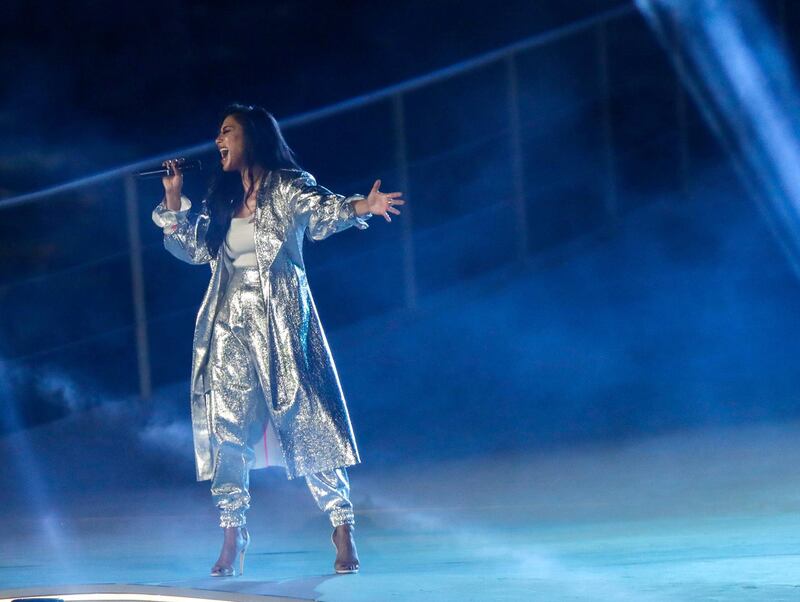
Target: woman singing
<point>264,388</point>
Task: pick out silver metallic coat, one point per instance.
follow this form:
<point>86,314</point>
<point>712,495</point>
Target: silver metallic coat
<point>305,400</point>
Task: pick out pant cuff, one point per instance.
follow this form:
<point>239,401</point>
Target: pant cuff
<point>231,520</point>
<point>342,516</point>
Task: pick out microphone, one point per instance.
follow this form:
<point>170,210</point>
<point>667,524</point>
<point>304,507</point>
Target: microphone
<point>183,164</point>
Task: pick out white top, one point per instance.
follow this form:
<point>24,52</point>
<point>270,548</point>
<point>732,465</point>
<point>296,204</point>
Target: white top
<point>240,242</point>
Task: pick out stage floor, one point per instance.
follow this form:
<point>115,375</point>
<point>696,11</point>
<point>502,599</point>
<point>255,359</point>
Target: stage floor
<point>700,515</point>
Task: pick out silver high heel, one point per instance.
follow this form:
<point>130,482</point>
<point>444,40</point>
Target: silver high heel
<point>222,570</point>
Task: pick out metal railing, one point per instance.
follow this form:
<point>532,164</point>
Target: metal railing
<point>404,163</point>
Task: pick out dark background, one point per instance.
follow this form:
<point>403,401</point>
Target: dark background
<point>90,85</point>
<point>671,308</point>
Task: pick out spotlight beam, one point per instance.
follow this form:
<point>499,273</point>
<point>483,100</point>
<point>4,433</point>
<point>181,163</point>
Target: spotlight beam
<point>729,59</point>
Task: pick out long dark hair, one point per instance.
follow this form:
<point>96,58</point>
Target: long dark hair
<point>265,147</point>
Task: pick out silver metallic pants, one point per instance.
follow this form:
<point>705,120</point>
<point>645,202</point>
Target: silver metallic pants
<point>239,409</point>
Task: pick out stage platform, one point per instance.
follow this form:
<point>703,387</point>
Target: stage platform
<point>699,515</point>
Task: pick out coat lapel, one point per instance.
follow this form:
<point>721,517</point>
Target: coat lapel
<point>270,226</point>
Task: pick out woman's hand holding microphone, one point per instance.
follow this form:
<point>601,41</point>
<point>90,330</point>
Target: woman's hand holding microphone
<point>172,185</point>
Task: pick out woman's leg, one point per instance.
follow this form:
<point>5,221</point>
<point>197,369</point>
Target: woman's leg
<point>331,491</point>
<point>237,411</point>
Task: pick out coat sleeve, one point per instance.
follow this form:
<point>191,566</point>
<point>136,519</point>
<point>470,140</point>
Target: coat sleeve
<point>323,212</point>
<point>184,233</point>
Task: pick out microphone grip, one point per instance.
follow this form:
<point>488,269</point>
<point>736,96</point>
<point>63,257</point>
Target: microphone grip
<point>184,164</point>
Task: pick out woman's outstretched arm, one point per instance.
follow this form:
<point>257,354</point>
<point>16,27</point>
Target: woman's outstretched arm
<point>328,213</point>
